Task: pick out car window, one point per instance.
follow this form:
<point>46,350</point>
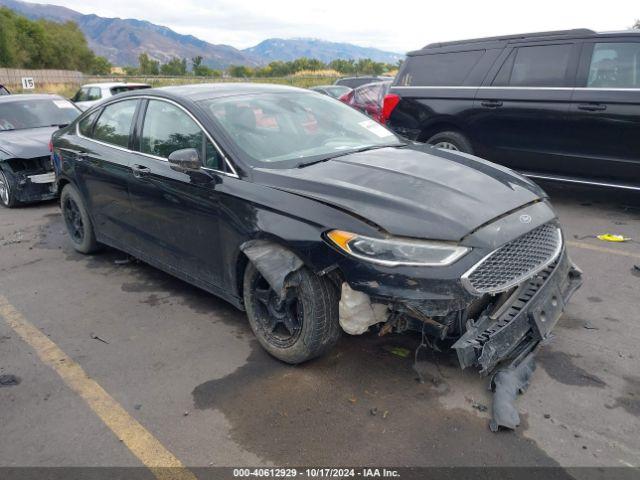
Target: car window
<point>439,69</point>
<point>81,95</point>
<point>615,65</point>
<point>34,112</point>
<point>168,128</point>
<point>114,124</point>
<point>367,94</point>
<point>94,94</point>
<point>127,88</point>
<point>287,129</point>
<point>536,66</point>
<point>86,124</point>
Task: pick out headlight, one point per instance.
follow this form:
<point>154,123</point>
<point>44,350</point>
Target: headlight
<point>393,252</point>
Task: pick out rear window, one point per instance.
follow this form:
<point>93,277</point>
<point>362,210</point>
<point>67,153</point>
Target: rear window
<point>127,88</point>
<point>440,69</point>
<point>537,66</point>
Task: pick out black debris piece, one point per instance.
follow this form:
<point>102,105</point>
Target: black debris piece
<point>506,384</point>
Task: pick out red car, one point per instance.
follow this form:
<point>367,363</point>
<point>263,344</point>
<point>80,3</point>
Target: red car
<point>368,98</point>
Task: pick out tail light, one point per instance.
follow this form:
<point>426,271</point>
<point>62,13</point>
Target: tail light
<point>346,97</point>
<point>390,102</point>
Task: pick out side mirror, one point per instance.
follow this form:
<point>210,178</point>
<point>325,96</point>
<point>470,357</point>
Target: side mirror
<point>185,160</point>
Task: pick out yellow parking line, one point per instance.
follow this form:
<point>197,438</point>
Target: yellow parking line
<point>596,248</point>
<point>162,463</point>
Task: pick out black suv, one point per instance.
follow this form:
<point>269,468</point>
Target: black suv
<point>553,105</point>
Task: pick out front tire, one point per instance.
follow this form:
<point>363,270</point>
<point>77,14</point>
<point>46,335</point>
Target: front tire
<point>305,326</point>
<point>77,221</point>
<point>7,197</point>
<point>451,140</point>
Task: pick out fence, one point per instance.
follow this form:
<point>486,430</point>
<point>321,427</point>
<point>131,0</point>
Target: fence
<point>49,80</point>
<point>67,81</point>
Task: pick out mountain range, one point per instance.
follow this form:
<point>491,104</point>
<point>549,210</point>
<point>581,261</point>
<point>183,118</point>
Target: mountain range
<point>122,40</point>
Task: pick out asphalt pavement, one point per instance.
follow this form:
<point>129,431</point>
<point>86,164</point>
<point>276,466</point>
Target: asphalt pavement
<point>119,364</point>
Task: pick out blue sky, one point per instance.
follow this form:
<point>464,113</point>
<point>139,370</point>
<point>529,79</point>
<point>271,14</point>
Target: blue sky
<point>388,25</point>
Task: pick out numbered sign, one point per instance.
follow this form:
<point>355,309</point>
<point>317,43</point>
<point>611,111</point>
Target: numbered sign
<point>28,83</point>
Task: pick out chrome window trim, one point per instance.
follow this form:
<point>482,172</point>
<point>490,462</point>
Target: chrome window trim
<point>470,288</point>
<point>233,172</point>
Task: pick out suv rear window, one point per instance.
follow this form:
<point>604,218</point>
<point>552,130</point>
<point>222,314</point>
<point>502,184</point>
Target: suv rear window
<point>440,69</point>
<point>537,66</point>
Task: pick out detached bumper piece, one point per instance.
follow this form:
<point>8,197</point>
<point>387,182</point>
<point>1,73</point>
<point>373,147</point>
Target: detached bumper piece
<point>523,321</point>
<point>33,179</point>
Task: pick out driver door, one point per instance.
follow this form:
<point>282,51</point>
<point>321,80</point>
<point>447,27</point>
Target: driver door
<point>175,213</point>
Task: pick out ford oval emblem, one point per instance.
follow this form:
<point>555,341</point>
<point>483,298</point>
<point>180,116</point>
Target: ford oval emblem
<point>525,218</point>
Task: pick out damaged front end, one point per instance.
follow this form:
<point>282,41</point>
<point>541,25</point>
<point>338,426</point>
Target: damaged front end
<point>31,179</point>
<point>494,315</point>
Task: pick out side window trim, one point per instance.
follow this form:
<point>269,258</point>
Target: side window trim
<point>229,168</point>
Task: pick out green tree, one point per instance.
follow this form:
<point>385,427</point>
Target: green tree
<point>148,66</point>
<point>28,43</point>
<point>343,66</point>
<point>101,66</point>
<point>175,67</point>
<point>240,71</point>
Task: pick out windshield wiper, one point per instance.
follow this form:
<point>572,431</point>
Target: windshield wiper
<point>349,152</point>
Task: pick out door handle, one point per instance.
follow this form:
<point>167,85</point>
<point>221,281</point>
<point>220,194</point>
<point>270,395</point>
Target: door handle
<point>81,156</point>
<point>592,107</point>
<point>491,103</point>
<point>140,170</point>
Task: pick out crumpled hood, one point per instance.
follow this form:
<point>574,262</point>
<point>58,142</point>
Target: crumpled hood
<point>416,191</point>
<point>27,143</point>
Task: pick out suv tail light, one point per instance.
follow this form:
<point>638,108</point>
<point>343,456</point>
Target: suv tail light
<point>389,103</point>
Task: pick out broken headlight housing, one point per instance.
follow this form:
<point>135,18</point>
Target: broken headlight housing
<point>392,252</point>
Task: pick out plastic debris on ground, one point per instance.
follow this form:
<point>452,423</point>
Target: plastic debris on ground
<point>610,237</point>
<point>506,384</point>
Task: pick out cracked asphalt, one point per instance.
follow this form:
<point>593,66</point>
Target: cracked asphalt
<point>184,365</point>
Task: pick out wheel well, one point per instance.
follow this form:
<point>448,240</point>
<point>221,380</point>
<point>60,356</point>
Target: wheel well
<point>241,265</point>
<point>61,183</point>
<point>431,130</point>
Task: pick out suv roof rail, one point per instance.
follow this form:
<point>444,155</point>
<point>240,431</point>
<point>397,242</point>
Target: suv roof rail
<point>521,36</point>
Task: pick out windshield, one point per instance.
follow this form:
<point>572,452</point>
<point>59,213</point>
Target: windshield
<point>23,114</point>
<point>284,130</point>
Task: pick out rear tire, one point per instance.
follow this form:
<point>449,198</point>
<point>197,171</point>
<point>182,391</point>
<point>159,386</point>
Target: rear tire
<point>7,197</point>
<point>305,327</point>
<point>77,221</point>
<point>451,140</point>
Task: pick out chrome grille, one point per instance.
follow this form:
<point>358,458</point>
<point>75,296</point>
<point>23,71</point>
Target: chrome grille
<point>516,261</point>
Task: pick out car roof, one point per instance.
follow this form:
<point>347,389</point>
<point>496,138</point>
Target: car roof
<point>113,84</point>
<point>206,91</point>
<point>29,96</point>
<point>500,41</point>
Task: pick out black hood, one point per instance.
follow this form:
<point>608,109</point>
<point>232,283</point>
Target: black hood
<point>27,143</point>
<point>416,191</point>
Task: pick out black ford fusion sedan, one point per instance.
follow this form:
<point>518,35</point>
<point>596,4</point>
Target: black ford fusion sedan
<point>315,219</point>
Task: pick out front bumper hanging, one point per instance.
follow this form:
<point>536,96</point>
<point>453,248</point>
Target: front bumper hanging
<point>526,319</point>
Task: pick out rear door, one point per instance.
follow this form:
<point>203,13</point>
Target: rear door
<point>175,213</point>
<point>103,168</point>
<point>605,111</point>
<point>520,113</point>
